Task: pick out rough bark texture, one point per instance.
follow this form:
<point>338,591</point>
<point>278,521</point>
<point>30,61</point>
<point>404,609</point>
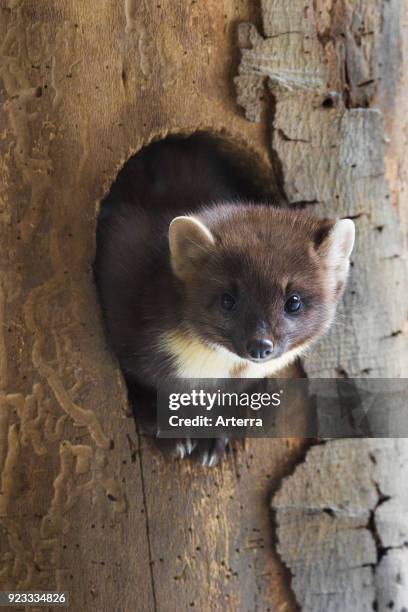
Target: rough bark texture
<point>342,516</point>
<point>343,526</point>
<point>87,505</point>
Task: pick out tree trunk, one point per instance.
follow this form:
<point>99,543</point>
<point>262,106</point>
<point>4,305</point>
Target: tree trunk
<point>342,516</point>
<point>87,504</point>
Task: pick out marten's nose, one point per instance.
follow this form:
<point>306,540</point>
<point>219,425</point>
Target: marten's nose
<point>260,349</point>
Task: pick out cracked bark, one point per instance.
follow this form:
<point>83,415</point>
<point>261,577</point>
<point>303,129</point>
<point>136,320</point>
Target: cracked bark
<point>343,527</point>
<point>342,515</point>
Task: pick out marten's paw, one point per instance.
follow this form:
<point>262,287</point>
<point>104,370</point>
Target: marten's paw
<point>210,451</point>
<point>207,451</point>
<point>183,448</point>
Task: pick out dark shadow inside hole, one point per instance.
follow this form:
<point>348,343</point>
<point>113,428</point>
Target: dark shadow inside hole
<point>180,173</point>
<point>170,177</point>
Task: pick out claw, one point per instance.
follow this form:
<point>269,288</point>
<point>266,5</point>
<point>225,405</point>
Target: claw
<point>180,450</point>
<point>190,446</point>
<point>205,459</point>
<point>213,460</point>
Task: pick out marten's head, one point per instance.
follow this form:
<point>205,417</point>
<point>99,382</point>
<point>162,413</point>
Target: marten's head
<point>259,281</point>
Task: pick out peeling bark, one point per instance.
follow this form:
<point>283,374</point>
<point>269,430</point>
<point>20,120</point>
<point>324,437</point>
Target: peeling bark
<point>326,66</point>
<point>343,526</point>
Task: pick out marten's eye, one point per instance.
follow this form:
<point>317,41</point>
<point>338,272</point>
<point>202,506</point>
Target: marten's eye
<point>293,304</point>
<point>228,302</point>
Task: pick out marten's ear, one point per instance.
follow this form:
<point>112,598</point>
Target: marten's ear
<point>190,242</point>
<point>336,249</point>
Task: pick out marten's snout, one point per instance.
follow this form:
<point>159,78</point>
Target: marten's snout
<point>259,349</point>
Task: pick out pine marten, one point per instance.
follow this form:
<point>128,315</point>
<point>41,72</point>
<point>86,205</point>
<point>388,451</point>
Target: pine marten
<point>199,278</point>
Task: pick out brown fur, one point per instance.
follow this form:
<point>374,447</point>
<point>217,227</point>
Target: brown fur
<point>158,316</point>
<point>263,254</point>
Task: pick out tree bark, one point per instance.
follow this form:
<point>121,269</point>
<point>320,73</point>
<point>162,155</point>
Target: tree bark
<point>87,504</point>
<point>331,68</point>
